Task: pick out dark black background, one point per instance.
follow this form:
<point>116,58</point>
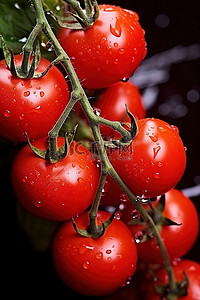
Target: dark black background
<point>31,275</point>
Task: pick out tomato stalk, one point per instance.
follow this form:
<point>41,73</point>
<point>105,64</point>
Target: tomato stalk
<point>78,94</point>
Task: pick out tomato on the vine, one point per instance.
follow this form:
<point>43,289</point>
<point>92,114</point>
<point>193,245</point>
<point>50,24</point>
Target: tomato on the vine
<point>30,106</point>
<point>94,266</point>
<point>178,239</point>
<point>188,267</point>
<point>155,160</point>
<point>55,191</point>
<point>109,51</point>
<point>111,104</point>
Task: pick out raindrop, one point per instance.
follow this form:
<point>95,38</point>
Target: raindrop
<point>108,251</point>
<point>41,94</point>
<point>26,94</point>
<point>73,165</point>
<point>38,87</point>
<point>7,113</point>
<point>162,129</point>
<point>86,265</point>
<point>116,45</point>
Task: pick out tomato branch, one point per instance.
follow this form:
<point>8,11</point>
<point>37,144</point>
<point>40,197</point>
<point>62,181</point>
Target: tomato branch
<point>78,94</point>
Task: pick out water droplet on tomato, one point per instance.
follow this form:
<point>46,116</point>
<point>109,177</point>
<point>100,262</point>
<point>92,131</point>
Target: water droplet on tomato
<point>160,164</point>
<point>116,45</point>
<point>154,138</point>
<point>73,165</point>
<point>138,237</point>
<point>114,268</point>
<point>108,251</point>
<point>86,265</point>
<point>116,30</point>
<point>38,203</point>
<point>7,113</point>
<point>80,179</point>
<point>116,61</point>
<point>125,79</point>
<point>121,51</point>
<point>105,188</point>
<point>103,40</point>
<point>21,117</point>
<point>155,151</point>
<point>135,214</point>
<point>97,111</point>
<point>25,179</point>
<point>175,128</point>
<point>99,255</point>
<point>38,87</point>
<point>156,175</point>
<point>123,197</point>
<point>82,249</point>
<point>185,148</point>
<point>26,94</point>
<point>161,129</point>
<point>41,94</point>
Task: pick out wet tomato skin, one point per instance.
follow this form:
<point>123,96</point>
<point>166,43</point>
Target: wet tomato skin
<point>30,106</point>
<point>55,191</point>
<point>109,51</point>
<point>155,160</point>
<point>94,266</point>
<point>191,269</point>
<point>178,239</point>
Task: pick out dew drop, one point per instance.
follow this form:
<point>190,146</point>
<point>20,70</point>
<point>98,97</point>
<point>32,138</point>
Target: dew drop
<point>105,188</point>
<point>86,265</point>
<point>7,113</point>
<point>26,94</point>
<point>80,179</point>
<point>99,255</point>
<point>116,45</point>
<point>108,251</point>
<point>175,128</point>
<point>73,165</point>
<point>41,94</point>
<point>160,164</point>
<point>38,87</point>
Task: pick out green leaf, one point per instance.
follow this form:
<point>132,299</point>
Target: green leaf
<point>17,19</point>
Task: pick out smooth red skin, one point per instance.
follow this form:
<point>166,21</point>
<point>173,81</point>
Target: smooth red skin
<point>112,193</point>
<point>155,160</point>
<point>35,113</point>
<point>178,240</point>
<point>55,191</point>
<point>112,105</point>
<point>100,57</point>
<point>94,267</point>
<point>192,270</point>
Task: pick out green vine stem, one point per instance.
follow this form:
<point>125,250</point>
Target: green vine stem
<point>78,94</point>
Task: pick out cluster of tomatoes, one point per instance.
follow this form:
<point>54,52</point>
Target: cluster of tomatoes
<point>104,57</point>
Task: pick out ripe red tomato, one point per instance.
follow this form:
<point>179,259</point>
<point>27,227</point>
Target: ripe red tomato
<point>112,104</point>
<point>178,239</point>
<point>55,191</point>
<point>30,105</point>
<point>192,270</point>
<point>94,267</point>
<point>109,51</point>
<point>112,193</point>
<point>155,160</point>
